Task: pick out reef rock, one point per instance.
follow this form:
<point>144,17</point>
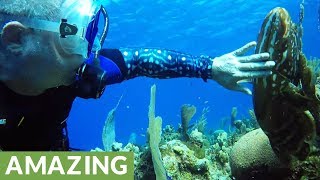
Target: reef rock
<point>181,162</point>
<point>285,103</point>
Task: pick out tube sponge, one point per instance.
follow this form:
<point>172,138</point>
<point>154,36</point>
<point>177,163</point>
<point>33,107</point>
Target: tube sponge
<point>154,131</point>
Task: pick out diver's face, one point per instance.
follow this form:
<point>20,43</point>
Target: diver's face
<point>35,60</point>
<point>35,44</point>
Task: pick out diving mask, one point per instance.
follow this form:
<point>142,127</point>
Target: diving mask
<point>80,31</point>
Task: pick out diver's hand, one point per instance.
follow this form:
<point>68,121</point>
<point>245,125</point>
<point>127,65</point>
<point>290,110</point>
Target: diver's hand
<point>231,69</point>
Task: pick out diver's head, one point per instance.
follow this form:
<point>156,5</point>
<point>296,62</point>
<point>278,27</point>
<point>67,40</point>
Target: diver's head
<point>64,31</point>
<point>18,17</point>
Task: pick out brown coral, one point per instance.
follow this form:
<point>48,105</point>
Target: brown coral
<point>252,156</point>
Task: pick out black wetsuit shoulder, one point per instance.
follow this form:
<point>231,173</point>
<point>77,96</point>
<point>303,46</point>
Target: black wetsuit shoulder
<point>31,122</point>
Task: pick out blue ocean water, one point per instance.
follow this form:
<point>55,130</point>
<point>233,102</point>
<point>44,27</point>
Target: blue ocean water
<point>209,27</point>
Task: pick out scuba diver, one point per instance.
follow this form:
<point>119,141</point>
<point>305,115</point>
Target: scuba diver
<point>51,52</point>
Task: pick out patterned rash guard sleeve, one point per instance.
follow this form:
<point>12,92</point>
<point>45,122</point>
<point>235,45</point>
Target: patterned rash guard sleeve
<point>161,63</point>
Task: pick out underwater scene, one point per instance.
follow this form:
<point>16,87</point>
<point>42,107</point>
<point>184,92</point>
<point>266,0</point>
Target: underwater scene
<point>185,128</point>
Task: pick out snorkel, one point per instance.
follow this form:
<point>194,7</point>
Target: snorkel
<point>97,71</point>
<point>94,31</point>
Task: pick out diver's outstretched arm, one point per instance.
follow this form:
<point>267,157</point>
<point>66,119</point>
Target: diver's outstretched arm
<point>165,64</point>
<point>117,65</point>
<point>228,70</point>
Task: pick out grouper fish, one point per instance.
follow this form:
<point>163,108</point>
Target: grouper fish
<point>285,103</point>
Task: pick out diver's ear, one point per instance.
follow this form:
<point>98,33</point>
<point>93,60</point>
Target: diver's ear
<point>12,33</point>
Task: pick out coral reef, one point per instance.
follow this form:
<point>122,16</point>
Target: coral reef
<point>144,169</point>
<point>169,155</point>
<point>240,127</point>
<point>219,151</point>
<point>197,159</point>
<point>181,162</point>
<point>215,155</point>
<point>169,134</point>
<point>196,137</point>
